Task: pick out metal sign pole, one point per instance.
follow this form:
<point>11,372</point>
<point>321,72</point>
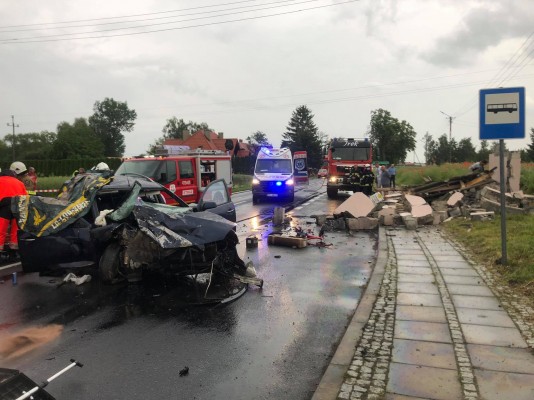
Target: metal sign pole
<point>504,260</point>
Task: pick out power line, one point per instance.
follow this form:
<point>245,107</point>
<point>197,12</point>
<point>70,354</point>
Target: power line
<point>40,39</point>
<point>127,16</point>
<point>152,19</point>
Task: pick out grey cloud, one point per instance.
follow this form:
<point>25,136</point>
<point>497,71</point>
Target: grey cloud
<point>482,28</point>
<point>378,12</point>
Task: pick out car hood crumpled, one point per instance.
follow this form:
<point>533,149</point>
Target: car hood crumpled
<point>174,229</point>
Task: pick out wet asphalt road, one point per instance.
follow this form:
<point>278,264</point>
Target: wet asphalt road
<point>273,343</point>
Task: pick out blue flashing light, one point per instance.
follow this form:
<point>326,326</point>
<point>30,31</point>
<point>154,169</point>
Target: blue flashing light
<point>278,183</point>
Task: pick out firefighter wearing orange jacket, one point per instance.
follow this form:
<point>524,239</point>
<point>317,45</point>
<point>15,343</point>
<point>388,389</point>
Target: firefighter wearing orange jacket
<point>9,186</point>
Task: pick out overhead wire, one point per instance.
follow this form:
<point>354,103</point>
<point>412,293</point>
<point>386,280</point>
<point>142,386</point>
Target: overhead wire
<point>55,38</point>
<point>150,19</point>
<point>128,16</point>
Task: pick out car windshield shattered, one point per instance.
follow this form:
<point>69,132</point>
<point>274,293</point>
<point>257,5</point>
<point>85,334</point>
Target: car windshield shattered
<point>121,227</point>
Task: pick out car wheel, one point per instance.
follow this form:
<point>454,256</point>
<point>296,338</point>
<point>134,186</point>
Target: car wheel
<point>255,199</point>
<point>109,264</point>
<point>332,193</point>
<point>291,197</point>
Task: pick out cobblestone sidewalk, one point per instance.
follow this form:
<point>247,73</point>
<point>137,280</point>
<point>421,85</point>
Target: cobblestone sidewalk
<point>441,328</point>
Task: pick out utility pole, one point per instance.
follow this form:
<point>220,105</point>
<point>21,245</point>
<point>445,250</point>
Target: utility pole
<point>450,118</point>
<point>14,126</point>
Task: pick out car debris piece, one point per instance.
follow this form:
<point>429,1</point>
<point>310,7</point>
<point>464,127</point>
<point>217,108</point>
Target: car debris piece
<point>78,280</point>
<point>282,240</point>
<point>251,242</point>
<point>184,371</point>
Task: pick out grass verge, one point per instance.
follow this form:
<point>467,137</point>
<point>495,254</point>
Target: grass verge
<point>483,240</point>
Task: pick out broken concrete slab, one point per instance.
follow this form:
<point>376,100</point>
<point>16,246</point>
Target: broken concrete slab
<point>414,201</point>
<point>455,212</point>
<point>334,224</point>
<point>361,223</point>
<point>386,220</point>
<point>410,222</point>
<point>482,216</point>
<point>455,199</point>
<point>357,205</point>
<point>423,214</point>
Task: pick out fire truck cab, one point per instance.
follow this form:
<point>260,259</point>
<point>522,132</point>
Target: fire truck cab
<point>183,171</point>
<point>346,159</point>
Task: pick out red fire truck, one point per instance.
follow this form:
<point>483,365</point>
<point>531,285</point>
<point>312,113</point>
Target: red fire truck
<point>341,156</point>
<point>183,171</point>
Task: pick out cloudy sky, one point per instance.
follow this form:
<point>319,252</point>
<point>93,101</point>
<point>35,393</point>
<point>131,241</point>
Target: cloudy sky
<point>244,66</point>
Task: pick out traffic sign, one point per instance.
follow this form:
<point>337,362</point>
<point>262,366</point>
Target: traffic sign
<point>502,113</point>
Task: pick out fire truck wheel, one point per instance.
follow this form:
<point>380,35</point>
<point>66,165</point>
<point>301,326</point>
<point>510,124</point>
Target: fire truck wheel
<point>332,193</point>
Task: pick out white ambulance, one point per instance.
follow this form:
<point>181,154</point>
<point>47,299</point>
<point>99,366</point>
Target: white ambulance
<point>273,175</point>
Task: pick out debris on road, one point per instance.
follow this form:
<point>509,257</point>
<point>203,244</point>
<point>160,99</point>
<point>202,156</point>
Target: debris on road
<point>473,196</point>
<point>78,280</point>
<point>184,371</point>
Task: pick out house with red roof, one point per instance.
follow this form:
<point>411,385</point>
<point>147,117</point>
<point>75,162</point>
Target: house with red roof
<point>209,140</point>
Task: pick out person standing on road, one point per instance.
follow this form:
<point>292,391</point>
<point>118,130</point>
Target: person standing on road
<point>384,177</point>
<point>9,186</point>
<point>392,171</point>
<point>22,175</point>
<point>378,173</point>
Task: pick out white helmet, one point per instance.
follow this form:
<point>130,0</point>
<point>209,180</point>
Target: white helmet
<point>102,166</point>
<point>18,167</point>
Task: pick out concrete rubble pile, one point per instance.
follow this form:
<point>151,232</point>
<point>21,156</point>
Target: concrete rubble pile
<point>474,196</point>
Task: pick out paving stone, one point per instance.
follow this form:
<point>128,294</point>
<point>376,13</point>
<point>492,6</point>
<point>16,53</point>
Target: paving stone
<point>414,299</point>
<point>424,382</point>
<point>484,303</point>
<point>504,359</point>
<point>426,331</point>
<point>459,272</point>
<point>439,355</point>
<point>411,257</point>
<point>484,317</point>
<point>494,385</point>
<point>402,250</point>
<point>428,278</point>
<point>415,270</point>
<point>408,287</point>
<point>469,290</point>
<point>446,262</point>
<point>413,263</point>
<point>493,335</point>
<point>463,280</point>
<point>418,313</point>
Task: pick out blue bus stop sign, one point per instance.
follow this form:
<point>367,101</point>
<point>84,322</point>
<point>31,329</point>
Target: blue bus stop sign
<point>502,113</point>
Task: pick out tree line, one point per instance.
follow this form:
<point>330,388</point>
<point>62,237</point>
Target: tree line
<point>102,135</point>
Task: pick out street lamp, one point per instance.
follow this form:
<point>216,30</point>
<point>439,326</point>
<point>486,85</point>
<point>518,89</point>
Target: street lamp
<point>450,133</point>
<point>13,125</point>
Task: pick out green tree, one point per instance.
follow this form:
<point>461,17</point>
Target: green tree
<point>465,151</point>
<point>302,134</point>
<point>32,146</point>
<point>392,138</point>
<point>530,148</point>
<point>430,149</point>
<point>109,120</point>
<point>484,152</point>
<point>77,141</point>
<point>257,140</point>
<point>174,128</point>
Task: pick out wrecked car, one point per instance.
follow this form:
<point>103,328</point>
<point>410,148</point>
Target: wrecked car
<point>121,226</point>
